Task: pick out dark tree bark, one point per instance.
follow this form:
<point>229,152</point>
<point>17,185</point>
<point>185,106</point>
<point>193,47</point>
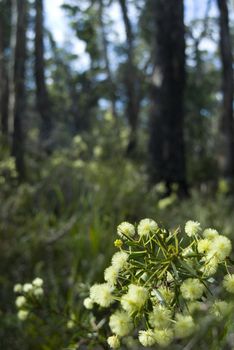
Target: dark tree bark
<point>4,91</point>
<point>43,103</point>
<point>1,67</point>
<point>131,81</point>
<point>17,81</point>
<point>227,121</point>
<point>4,103</point>
<point>166,145</point>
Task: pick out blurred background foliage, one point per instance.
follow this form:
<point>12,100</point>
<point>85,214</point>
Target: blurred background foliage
<point>86,147</point>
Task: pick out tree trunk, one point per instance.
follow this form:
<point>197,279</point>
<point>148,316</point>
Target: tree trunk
<point>1,66</point>
<point>4,103</point>
<point>130,81</point>
<point>43,103</point>
<point>3,73</point>
<point>17,83</point>
<point>166,145</point>
<point>227,121</point>
<point>107,61</point>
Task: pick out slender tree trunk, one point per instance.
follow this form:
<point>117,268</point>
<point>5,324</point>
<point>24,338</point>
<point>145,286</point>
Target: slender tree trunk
<point>107,61</point>
<point>17,83</point>
<point>1,66</point>
<point>227,121</point>
<point>4,103</point>
<point>131,81</point>
<point>11,66</point>
<point>43,103</point>
<point>3,75</point>
<point>167,146</point>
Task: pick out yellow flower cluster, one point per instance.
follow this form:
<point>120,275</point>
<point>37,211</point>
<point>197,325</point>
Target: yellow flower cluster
<point>113,342</point>
<point>119,260</point>
<point>126,229</point>
<point>166,293</point>
<point>184,326</point>
<point>111,275</point>
<point>121,323</point>
<point>146,226</point>
<point>101,294</point>
<point>160,317</point>
<point>210,233</point>
<point>88,303</point>
<point>216,248</point>
<point>192,228</point>
<point>135,298</point>
<point>161,336</point>
<point>147,338</point>
<point>28,292</point>
<point>192,289</point>
<point>159,284</point>
<point>228,283</point>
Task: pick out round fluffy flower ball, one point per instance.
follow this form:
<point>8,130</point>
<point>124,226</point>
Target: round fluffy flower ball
<point>160,317</point>
<point>228,283</point>
<point>88,303</point>
<point>101,294</point>
<point>111,275</point>
<point>221,247</point>
<point>146,226</point>
<point>210,267</point>
<point>37,282</point>
<point>192,228</point>
<point>138,293</point>
<point>164,336</point>
<point>204,245</point>
<point>20,301</point>
<point>120,323</point>
<point>18,288</point>
<point>184,326</point>
<point>126,229</point>
<point>119,260</point>
<point>147,338</point>
<point>27,287</point>
<point>166,293</point>
<point>38,292</point>
<point>192,289</point>
<point>22,315</point>
<point>210,233</point>
<point>70,324</point>
<point>134,299</point>
<point>113,342</point>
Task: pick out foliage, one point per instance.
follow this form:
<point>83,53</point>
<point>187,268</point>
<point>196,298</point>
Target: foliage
<point>60,225</point>
<point>166,282</point>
